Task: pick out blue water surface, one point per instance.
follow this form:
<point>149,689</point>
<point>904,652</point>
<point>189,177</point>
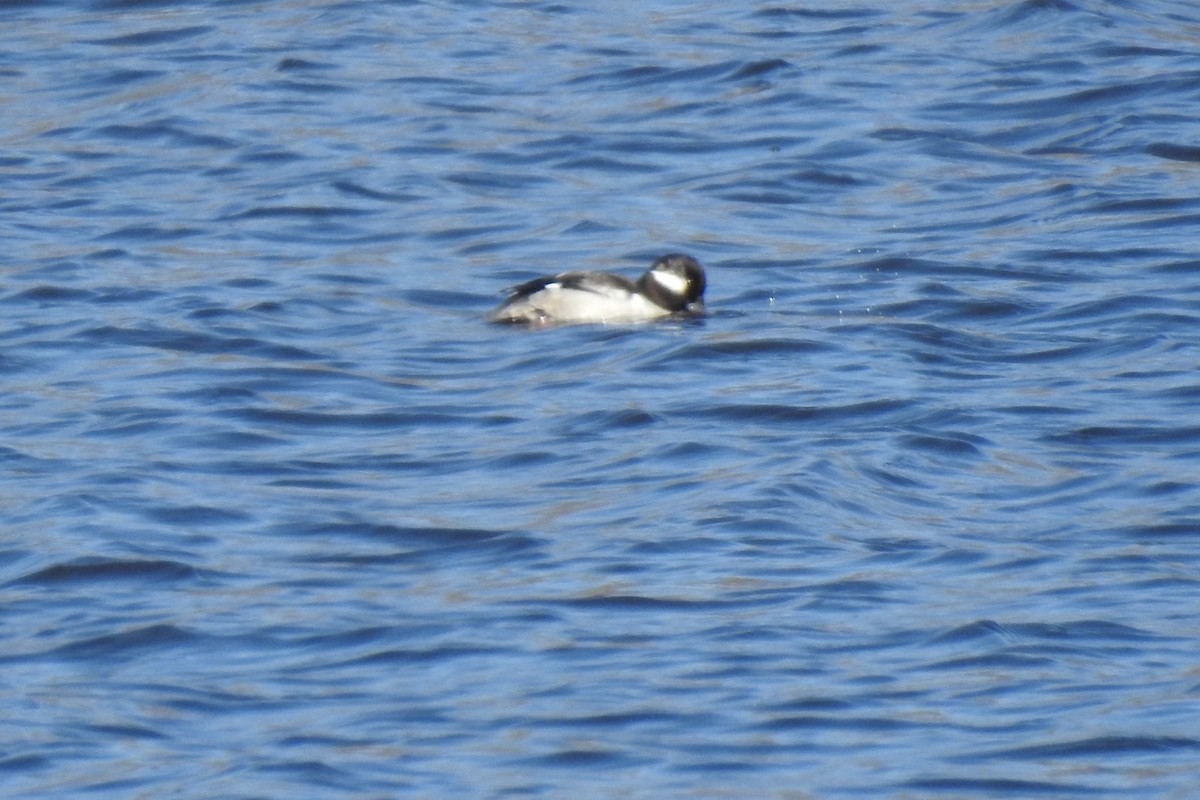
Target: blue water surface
<point>914,512</point>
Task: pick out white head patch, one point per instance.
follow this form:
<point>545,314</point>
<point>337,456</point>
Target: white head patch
<point>675,284</point>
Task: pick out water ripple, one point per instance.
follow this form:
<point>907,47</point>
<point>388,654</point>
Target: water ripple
<point>917,499</point>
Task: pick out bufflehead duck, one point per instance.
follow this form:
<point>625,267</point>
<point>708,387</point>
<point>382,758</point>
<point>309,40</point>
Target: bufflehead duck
<point>673,286</point>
